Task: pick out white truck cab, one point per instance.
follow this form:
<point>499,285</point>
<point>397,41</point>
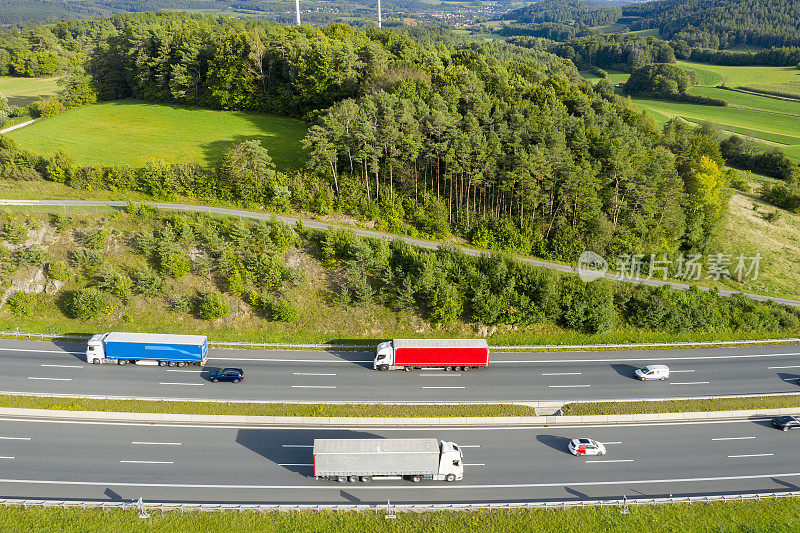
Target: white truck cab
<point>451,462</point>
<point>384,358</point>
<point>95,349</point>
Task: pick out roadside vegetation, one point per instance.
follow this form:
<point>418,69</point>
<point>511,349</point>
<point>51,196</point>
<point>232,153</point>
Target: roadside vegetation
<point>265,409</point>
<point>141,269</point>
<point>682,406</point>
<point>776,515</point>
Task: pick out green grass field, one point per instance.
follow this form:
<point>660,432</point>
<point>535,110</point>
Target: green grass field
<point>734,76</point>
<point>128,132</point>
<point>23,91</point>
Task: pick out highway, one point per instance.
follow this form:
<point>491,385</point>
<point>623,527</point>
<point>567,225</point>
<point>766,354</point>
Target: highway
<point>330,376</point>
<point>95,460</point>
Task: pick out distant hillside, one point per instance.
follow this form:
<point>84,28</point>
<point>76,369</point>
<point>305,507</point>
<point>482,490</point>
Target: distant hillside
<point>565,11</point>
<point>721,23</point>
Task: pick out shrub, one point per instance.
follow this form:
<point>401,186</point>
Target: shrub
<point>116,283</point>
<point>22,303</point>
<point>175,263</point>
<point>213,305</point>
<point>85,259</point>
<point>58,270</point>
<point>86,304</point>
<point>94,238</point>
<point>284,311</point>
<point>13,232</point>
<point>61,222</point>
<point>180,303</point>
<point>31,255</point>
<point>148,282</point>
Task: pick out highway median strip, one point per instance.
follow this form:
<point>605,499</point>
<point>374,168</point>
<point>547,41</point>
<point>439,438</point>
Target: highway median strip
<point>737,403</point>
<point>264,409</point>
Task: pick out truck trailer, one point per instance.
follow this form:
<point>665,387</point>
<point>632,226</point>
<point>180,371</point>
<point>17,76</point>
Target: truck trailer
<point>160,349</point>
<point>363,460</point>
<point>449,354</point>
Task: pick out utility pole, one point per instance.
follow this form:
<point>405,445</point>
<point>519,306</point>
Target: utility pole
<point>297,10</point>
<point>379,14</point>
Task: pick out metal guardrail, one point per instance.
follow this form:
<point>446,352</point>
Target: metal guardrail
<point>58,336</point>
<point>623,504</point>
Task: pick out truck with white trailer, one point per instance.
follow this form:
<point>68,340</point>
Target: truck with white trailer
<point>363,460</point>
<point>160,349</point>
<point>448,354</point>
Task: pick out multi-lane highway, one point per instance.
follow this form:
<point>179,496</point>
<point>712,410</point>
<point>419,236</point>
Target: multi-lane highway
<point>325,376</point>
<point>84,460</point>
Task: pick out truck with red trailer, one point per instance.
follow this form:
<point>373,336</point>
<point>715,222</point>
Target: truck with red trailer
<point>448,354</point>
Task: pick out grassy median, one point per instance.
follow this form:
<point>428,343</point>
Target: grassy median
<point>682,406</point>
<point>774,516</point>
<point>264,409</point>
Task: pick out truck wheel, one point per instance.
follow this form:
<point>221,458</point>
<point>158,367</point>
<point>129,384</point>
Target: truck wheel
<point>366,479</point>
<point>123,362</point>
<point>161,363</point>
<point>383,367</point>
<point>352,479</point>
<point>448,368</point>
<point>450,478</point>
<point>408,368</point>
<point>466,368</point>
<point>95,361</point>
<point>341,479</point>
<point>181,364</point>
<point>416,479</point>
<point>172,363</point>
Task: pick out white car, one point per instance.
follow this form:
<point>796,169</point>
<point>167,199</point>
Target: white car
<point>652,372</point>
<point>586,447</point>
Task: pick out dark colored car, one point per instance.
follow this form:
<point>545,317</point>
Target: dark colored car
<point>227,374</point>
<point>786,422</point>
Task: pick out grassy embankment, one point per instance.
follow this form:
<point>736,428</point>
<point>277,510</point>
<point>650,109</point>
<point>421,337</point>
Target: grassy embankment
<point>766,515</point>
<point>321,317</point>
<point>22,91</point>
<point>129,132</point>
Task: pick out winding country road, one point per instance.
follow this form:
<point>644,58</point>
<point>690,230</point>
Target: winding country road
<point>315,224</point>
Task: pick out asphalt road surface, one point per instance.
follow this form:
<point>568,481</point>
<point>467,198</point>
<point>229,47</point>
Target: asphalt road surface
<point>330,376</point>
<point>86,460</point>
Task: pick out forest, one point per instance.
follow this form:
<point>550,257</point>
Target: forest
<point>505,146</point>
<point>565,11</point>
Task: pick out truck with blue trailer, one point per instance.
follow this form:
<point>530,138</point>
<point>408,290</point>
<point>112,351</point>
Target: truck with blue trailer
<point>162,349</point>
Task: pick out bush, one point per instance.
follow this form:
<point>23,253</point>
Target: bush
<point>85,259</point>
<point>94,238</point>
<point>58,270</point>
<point>180,303</point>
<point>175,263</point>
<point>116,283</point>
<point>213,305</point>
<point>31,255</point>
<point>284,311</point>
<point>86,304</point>
<point>148,282</point>
<point>22,303</point>
<point>13,232</point>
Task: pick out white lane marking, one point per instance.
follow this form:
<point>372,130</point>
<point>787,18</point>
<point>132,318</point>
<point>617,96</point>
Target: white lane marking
<point>310,374</point>
<point>15,438</point>
<point>313,386</point>
<point>288,360</point>
<point>62,366</point>
<point>787,366</point>
<point>680,371</point>
<point>474,464</point>
<point>751,455</point>
<point>609,460</point>
<point>469,445</point>
<point>440,375</point>
<point>689,383</point>
<point>639,359</point>
<point>51,379</point>
<point>614,442</point>
<point>6,457</point>
<point>297,445</point>
<point>295,464</point>
<point>157,443</point>
<point>561,373</point>
<point>187,384</point>
<point>566,386</point>
<point>41,351</point>
<point>444,387</point>
<point>406,487</point>
<point>193,371</point>
<point>149,462</point>
<point>734,438</point>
